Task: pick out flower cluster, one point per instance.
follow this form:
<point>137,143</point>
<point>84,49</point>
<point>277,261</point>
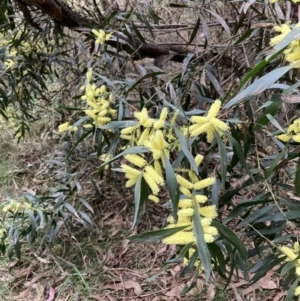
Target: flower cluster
<point>292,53</point>
<point>185,213</point>
<point>159,138</point>
<point>209,124</point>
<point>67,127</point>
<point>153,135</point>
<point>100,108</point>
<point>292,255</point>
<point>99,103</point>
<point>17,206</point>
<point>190,195</point>
<point>101,36</point>
<point>30,46</point>
<point>293,132</point>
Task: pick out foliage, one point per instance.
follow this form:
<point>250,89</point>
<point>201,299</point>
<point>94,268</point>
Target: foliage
<point>207,128</point>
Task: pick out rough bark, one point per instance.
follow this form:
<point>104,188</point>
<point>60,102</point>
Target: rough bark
<point>65,16</point>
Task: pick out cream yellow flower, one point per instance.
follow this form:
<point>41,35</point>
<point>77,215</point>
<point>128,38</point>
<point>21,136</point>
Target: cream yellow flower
<point>153,198</point>
<point>136,160</point>
<point>293,132</point>
<point>161,122</point>
<point>67,127</point>
<point>143,118</point>
<point>101,36</point>
<point>209,124</point>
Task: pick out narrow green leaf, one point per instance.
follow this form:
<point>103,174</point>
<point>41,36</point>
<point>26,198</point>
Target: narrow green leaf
<point>272,109</point>
<point>139,35</point>
<point>231,237</point>
<point>291,293</point>
<point>155,236</point>
<point>186,63</point>
<point>275,122</point>
<point>240,208</point>
<point>259,86</point>
<point>266,268</point>
<point>255,215</point>
<point>70,208</point>
<point>119,124</point>
<point>172,186</point>
<point>221,21</point>
<point>87,133</point>
<point>201,243</point>
<point>213,79</point>
<point>275,162</point>
<point>137,198</point>
<point>194,32</point>
<point>87,218</point>
<point>140,80</point>
<point>223,159</point>
<point>205,27</point>
<point>287,267</point>
<point>297,179</point>
<point>238,150</point>
<point>288,215</point>
<point>245,35</point>
<point>185,149</point>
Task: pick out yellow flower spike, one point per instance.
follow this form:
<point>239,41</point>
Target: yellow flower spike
<point>136,160</point>
<point>209,238</point>
<point>157,167</point>
<point>206,221</point>
<point>143,118</point>
<point>193,177</point>
<point>128,130</point>
<point>64,127</point>
<point>126,137</point>
<point>204,183</point>
<point>101,36</point>
<point>289,253</point>
<point>214,109</point>
<point>185,191</point>
<point>89,75</point>
<point>155,175</point>
<point>284,137</point>
<point>296,247</point>
<point>183,182</point>
<point>151,183</point>
<point>185,203</point>
<point>208,211</point>
<point>298,271</point>
<point>153,198</point>
<point>201,198</point>
<point>186,212</point>
<point>161,122</point>
<point>173,120</point>
<point>208,124</point>
<point>131,182</point>
<point>130,172</point>
<point>284,29</point>
<point>297,291</point>
<point>179,238</point>
<point>102,89</point>
<point>198,159</point>
<point>144,137</point>
<point>158,140</point>
<point>210,230</point>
